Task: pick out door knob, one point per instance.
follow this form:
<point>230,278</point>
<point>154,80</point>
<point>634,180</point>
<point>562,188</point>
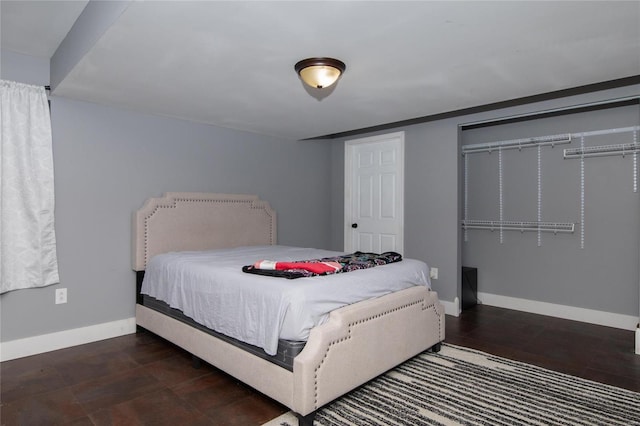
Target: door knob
<point>354,225</point>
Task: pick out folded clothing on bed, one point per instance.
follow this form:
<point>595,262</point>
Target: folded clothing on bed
<point>324,266</point>
<point>315,267</point>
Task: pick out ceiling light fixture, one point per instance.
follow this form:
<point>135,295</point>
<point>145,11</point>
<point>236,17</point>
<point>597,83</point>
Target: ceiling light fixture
<point>320,72</point>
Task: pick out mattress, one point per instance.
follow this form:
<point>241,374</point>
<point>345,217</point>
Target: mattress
<point>210,288</point>
<point>286,352</point>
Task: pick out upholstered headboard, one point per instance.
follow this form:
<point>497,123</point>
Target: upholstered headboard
<point>181,221</point>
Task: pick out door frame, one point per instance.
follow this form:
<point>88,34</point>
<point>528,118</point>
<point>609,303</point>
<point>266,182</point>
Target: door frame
<point>349,148</point>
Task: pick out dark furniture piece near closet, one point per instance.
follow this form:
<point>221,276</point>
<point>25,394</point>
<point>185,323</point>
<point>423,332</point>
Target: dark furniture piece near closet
<point>469,287</point>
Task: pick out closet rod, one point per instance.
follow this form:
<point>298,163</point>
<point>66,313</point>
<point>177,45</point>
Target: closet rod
<point>602,151</point>
<point>505,225</point>
<point>517,143</point>
<point>542,141</point>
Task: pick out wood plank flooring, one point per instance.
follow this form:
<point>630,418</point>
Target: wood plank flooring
<point>141,379</point>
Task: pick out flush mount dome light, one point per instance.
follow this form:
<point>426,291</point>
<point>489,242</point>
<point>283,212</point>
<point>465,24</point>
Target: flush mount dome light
<point>320,72</point>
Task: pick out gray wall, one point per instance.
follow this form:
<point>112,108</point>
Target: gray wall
<point>602,276</point>
<point>108,161</point>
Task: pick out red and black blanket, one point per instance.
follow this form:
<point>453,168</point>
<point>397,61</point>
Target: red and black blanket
<point>324,266</point>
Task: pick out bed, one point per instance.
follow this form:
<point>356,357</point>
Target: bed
<point>354,344</point>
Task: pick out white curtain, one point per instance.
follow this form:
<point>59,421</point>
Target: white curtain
<point>27,237</point>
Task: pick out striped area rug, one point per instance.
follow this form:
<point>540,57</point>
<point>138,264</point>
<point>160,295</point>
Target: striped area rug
<point>461,386</point>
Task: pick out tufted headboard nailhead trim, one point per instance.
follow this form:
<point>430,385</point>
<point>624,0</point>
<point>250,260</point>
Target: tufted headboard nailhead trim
<point>180,221</point>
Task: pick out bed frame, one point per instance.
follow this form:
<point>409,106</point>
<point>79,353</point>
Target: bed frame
<point>356,344</point>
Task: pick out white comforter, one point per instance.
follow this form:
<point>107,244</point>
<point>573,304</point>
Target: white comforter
<point>210,287</point>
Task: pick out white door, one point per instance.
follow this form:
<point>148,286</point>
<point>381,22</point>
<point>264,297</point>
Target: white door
<point>374,194</point>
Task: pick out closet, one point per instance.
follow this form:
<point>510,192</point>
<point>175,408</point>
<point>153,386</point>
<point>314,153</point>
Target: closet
<point>551,211</point>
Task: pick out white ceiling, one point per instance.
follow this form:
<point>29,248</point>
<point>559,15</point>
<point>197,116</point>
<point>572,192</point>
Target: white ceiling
<point>231,63</point>
<point>36,28</point>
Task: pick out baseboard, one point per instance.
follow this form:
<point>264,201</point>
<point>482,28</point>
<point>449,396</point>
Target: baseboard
<point>64,339</point>
<point>609,319</point>
<point>451,308</point>
<point>20,348</point>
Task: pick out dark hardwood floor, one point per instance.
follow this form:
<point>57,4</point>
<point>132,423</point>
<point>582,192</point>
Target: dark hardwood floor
<point>143,380</point>
<point>601,354</point>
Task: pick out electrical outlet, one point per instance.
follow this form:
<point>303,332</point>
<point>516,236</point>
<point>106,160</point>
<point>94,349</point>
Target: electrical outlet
<point>61,296</point>
<point>433,273</point>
